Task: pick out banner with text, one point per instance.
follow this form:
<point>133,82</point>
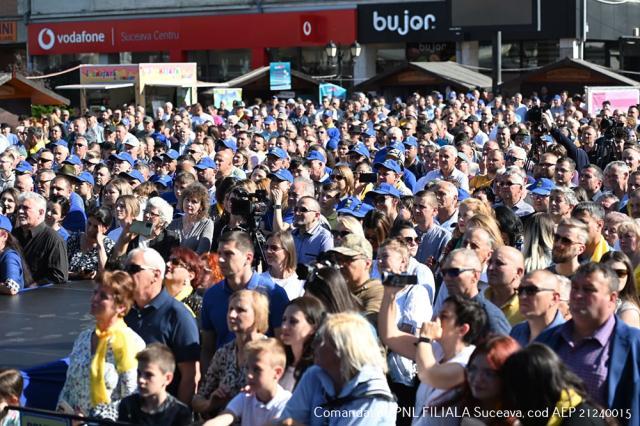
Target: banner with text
<point>226,97</point>
<point>328,90</point>
<point>280,75</point>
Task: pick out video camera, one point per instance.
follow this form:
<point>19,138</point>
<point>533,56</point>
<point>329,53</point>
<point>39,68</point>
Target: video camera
<point>398,280</point>
<point>251,206</point>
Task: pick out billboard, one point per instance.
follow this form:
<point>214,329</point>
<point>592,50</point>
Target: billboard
<point>621,97</point>
<point>280,76</point>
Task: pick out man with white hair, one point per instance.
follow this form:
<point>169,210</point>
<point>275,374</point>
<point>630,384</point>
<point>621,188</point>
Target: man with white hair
<point>447,157</point>
<point>512,191</point>
<point>158,317</point>
<point>44,250</point>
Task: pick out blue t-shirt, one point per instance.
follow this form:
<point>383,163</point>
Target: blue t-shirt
<point>216,303</point>
<point>11,267</point>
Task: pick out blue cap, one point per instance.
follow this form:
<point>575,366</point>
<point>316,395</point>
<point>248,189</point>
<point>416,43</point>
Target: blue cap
<point>163,180</point>
<point>122,156</point>
<point>282,174</point>
<point>352,206</point>
<point>389,164</point>
<point>333,133</point>
<point>397,145</point>
<point>462,194</point>
<point>370,133</point>
<point>171,154</point>
<point>72,159</point>
<point>410,141</point>
<point>23,168</point>
<point>316,155</point>
<point>133,174</point>
<point>278,152</point>
<point>386,189</point>
<point>269,120</point>
<point>542,186</point>
<point>86,177</point>
<point>332,144</point>
<point>327,113</point>
<point>228,144</point>
<point>206,163</point>
<point>5,223</point>
<point>557,98</point>
<point>452,95</point>
<point>360,149</point>
<point>61,142</point>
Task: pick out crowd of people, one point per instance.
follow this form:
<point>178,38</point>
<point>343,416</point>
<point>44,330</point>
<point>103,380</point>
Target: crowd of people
<point>456,258</point>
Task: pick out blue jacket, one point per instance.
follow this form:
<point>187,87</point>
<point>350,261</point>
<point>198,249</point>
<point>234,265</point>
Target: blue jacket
<point>623,376</point>
<point>363,400</point>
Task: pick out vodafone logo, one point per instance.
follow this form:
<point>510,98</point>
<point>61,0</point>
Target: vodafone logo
<point>46,39</point>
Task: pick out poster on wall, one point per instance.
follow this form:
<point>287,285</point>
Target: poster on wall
<point>328,90</point>
<point>280,75</point>
<point>620,97</point>
<point>226,97</point>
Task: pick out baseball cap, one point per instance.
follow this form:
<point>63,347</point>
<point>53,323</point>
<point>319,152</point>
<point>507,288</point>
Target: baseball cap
<point>463,157</point>
<point>386,189</point>
<point>133,141</point>
<point>72,159</point>
<point>86,177</point>
<point>327,113</point>
<point>354,245</point>
<point>122,156</point>
<point>161,180</point>
<point>61,143</point>
<point>390,165</point>
<point>171,154</point>
<point>110,128</point>
<point>23,168</point>
<point>360,149</point>
<point>410,141</point>
<point>472,119</point>
<point>316,155</point>
<point>542,186</point>
<point>278,152</point>
<point>282,174</point>
<point>269,120</point>
<point>206,163</point>
<point>226,143</point>
<point>5,223</point>
<point>133,174</point>
<point>147,119</point>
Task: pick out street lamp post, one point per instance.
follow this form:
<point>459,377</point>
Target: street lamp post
<point>334,52</point>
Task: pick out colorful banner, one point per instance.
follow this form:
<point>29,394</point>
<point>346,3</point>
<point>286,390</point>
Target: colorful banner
<point>228,96</point>
<point>621,97</point>
<point>328,90</point>
<point>280,75</point>
<point>108,74</point>
<point>176,74</point>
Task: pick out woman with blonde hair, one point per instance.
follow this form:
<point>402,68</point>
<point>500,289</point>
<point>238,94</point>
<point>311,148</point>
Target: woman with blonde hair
<point>489,224</point>
<point>248,319</point>
<point>538,241</point>
<point>348,376</point>
<point>280,254</point>
<point>629,237</point>
<point>343,177</point>
<point>346,225</point>
<point>127,209</point>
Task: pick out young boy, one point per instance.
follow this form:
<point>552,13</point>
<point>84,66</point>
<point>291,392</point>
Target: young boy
<point>152,405</point>
<point>266,362</point>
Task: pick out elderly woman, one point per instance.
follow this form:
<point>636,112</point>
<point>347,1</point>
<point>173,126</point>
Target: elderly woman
<point>14,272</point>
<point>248,318</point>
<point>102,365</point>
<point>348,375</point>
<point>159,213</point>
<point>195,228</point>
<point>184,276</point>
<point>88,251</point>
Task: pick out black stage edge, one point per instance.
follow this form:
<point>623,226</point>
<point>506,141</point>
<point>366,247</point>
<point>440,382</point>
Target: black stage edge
<point>40,325</point>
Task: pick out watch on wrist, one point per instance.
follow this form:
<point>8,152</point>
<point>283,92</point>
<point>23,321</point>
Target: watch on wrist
<point>422,339</point>
<point>277,206</point>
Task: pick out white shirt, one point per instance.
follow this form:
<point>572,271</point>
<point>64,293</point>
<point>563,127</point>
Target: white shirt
<point>253,412</point>
<point>293,285</point>
<point>456,175</point>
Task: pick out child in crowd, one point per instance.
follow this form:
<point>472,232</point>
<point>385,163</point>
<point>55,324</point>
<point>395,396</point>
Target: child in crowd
<point>266,362</point>
<point>152,405</point>
<point>10,390</point>
<point>57,210</point>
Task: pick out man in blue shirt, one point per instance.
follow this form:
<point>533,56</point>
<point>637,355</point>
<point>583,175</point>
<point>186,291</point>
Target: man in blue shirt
<point>157,317</point>
<point>310,237</point>
<point>235,253</point>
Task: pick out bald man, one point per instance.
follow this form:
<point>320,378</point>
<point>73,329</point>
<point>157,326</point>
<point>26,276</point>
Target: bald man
<point>461,273</point>
<point>539,299</point>
<point>505,270</point>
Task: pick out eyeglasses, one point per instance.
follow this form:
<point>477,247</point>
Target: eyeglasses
<point>177,262</point>
<point>150,213</point>
<point>304,210</point>
<point>270,247</point>
<point>79,145</point>
<point>133,269</point>
<point>531,290</point>
<point>455,272</point>
<point>42,182</point>
<point>44,160</point>
<point>341,234</point>
<point>192,151</point>
<point>412,240</point>
<point>503,183</point>
<point>563,240</point>
<point>513,158</point>
<point>339,177</point>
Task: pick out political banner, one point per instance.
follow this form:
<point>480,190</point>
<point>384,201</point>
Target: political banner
<point>328,90</point>
<point>280,75</point>
<point>227,96</point>
<point>620,97</point>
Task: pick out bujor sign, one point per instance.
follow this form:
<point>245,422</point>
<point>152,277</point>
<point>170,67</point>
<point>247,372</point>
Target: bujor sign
<point>404,22</point>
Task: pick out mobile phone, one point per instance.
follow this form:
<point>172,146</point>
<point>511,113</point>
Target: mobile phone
<point>368,177</point>
<point>141,228</point>
<point>398,280</point>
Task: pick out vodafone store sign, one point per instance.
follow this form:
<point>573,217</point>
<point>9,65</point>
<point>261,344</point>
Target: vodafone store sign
<point>193,33</point>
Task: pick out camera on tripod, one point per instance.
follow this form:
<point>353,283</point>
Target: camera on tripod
<point>251,206</point>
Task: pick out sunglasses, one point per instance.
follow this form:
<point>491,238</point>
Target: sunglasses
<point>341,234</point>
<point>412,240</point>
<point>563,240</point>
<point>339,177</point>
<point>177,262</point>
<point>531,290</point>
<point>133,269</point>
<point>304,210</point>
<point>455,272</point>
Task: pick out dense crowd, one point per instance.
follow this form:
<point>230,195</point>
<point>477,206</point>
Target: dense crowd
<point>440,259</point>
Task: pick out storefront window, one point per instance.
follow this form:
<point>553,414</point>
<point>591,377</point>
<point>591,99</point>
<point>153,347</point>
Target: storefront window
<point>149,57</point>
<point>521,54</point>
<point>220,65</point>
<point>309,60</point>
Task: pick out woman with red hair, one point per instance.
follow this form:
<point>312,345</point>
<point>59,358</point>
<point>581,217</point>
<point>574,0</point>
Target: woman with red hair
<point>185,275</point>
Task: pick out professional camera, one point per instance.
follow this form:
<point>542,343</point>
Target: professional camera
<point>249,205</point>
<point>398,280</point>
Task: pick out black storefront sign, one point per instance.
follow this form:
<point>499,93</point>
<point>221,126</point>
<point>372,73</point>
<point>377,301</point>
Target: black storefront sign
<point>404,22</point>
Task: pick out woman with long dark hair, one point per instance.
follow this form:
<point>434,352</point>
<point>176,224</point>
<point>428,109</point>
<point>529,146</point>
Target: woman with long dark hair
<point>300,322</point>
<point>328,286</point>
<point>14,272</point>
<point>628,302</point>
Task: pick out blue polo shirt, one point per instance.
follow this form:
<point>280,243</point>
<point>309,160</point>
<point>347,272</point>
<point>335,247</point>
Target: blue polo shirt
<point>216,303</point>
<point>521,332</point>
<point>76,219</point>
<point>287,217</point>
<point>497,322</point>
<point>310,244</point>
